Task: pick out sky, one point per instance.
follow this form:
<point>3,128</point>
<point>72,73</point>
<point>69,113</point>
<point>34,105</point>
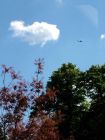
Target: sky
<point>51,29</point>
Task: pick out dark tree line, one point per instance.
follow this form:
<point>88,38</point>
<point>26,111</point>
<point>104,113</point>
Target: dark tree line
<point>72,107</point>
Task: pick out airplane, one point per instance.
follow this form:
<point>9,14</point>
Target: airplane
<point>79,41</point>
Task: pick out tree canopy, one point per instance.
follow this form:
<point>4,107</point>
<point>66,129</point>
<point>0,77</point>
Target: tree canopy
<point>72,107</point>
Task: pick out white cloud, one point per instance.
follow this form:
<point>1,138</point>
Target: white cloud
<point>36,33</point>
<point>90,12</point>
<point>102,36</point>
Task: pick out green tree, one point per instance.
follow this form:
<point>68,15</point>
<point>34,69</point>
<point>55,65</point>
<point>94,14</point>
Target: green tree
<point>69,104</point>
<point>93,122</point>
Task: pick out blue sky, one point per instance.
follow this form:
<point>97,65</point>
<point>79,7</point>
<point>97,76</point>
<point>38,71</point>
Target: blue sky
<point>50,29</point>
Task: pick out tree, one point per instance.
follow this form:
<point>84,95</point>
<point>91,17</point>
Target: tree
<point>73,106</point>
<point>66,106</point>
<point>92,124</point>
<point>17,97</point>
<point>37,88</point>
<point>13,102</point>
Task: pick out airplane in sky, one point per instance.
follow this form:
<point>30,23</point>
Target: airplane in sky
<point>80,41</point>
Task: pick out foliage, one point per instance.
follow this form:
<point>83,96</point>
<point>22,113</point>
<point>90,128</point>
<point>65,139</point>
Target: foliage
<point>70,96</point>
<point>16,99</point>
<point>92,124</point>
<point>73,106</point>
<point>48,130</point>
<point>13,101</point>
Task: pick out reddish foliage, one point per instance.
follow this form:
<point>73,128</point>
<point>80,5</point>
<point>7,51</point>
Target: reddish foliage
<point>16,100</point>
<point>39,63</point>
<point>48,131</point>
